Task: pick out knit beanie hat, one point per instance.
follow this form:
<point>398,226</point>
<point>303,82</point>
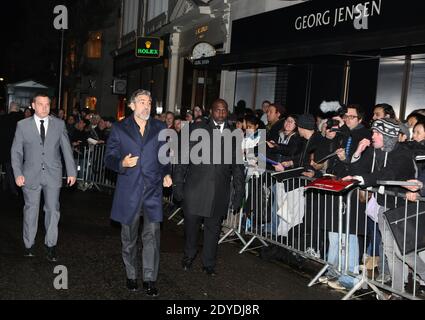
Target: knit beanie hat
<point>387,128</point>
<point>306,121</point>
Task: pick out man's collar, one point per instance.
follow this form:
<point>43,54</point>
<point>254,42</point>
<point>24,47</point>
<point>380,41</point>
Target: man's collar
<point>217,124</point>
<point>37,118</point>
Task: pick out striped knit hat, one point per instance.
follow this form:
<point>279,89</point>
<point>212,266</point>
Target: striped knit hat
<point>387,128</point>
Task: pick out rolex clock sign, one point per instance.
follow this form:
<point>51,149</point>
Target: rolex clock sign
<point>149,47</point>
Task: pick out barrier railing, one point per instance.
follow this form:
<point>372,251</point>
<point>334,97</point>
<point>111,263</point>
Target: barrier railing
<point>395,229</point>
<point>91,169</point>
<point>336,230</point>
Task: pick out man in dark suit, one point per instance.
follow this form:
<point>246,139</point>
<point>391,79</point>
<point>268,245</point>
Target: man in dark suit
<point>133,152</point>
<point>7,134</point>
<point>205,190</point>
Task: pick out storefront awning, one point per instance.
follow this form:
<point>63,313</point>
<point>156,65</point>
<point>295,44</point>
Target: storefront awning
<point>337,50</point>
<point>325,28</point>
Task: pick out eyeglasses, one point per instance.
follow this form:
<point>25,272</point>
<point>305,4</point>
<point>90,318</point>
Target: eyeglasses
<point>348,117</point>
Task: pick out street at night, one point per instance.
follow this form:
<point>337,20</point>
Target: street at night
<point>212,150</point>
<point>89,247</point>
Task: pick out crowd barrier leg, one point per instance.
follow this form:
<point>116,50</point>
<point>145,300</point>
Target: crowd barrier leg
<point>316,278</point>
<point>245,248</point>
<point>234,231</point>
<point>364,283</point>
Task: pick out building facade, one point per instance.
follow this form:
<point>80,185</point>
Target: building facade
<point>297,53</point>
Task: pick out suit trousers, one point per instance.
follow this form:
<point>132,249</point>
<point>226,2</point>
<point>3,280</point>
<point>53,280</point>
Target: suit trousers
<point>31,213</point>
<point>151,239</point>
<point>212,229</point>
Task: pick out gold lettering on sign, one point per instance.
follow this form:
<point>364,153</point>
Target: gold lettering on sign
<point>201,30</point>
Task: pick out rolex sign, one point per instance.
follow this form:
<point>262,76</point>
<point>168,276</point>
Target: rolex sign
<point>149,47</point>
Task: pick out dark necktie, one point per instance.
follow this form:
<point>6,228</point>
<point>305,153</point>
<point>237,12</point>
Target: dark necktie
<point>42,131</point>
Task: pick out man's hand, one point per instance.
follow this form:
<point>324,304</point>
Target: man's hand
<point>272,144</point>
<point>308,174</point>
<point>288,164</point>
<point>348,178</point>
<point>412,196</point>
<point>20,181</point>
<point>317,166</point>
<point>279,167</point>
<point>168,182</point>
<point>339,119</point>
<point>365,143</point>
<point>414,188</point>
<point>71,181</point>
<point>341,154</point>
<point>130,161</point>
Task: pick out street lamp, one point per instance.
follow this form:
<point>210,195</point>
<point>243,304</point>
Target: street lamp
<point>1,79</point>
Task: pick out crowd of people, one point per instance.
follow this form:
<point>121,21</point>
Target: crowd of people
<point>385,148</point>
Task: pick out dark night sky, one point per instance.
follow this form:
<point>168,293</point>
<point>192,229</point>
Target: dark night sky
<point>31,45</point>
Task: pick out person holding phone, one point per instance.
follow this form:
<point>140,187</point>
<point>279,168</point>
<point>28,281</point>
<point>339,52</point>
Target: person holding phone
<point>37,166</point>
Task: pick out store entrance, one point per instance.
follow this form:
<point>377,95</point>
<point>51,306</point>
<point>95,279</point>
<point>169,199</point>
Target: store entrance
<point>200,87</point>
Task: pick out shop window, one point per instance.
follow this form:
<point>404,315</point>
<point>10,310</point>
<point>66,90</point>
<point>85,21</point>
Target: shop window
<point>91,103</point>
<point>390,82</point>
<point>255,85</point>
<point>94,45</point>
<point>130,11</point>
<point>416,93</point>
<point>156,7</point>
<point>401,83</point>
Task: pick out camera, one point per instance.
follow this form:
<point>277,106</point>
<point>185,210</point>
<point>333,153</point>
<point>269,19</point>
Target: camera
<point>332,123</point>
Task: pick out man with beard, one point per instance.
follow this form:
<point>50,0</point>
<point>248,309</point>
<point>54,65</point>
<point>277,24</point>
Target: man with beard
<point>132,151</point>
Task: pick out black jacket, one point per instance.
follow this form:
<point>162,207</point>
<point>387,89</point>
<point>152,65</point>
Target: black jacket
<point>315,145</point>
<point>397,165</point>
<point>206,187</point>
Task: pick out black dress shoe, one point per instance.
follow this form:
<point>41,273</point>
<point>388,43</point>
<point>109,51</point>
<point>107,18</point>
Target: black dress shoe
<point>187,263</point>
<point>132,285</point>
<point>150,289</point>
<point>209,271</point>
<point>51,254</point>
<point>29,253</point>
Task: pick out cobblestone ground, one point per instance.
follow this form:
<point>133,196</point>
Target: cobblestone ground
<point>89,247</point>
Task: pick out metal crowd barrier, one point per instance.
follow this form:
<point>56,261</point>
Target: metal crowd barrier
<point>232,229</point>
<point>91,169</point>
<point>328,228</point>
<point>332,229</point>
<point>392,257</point>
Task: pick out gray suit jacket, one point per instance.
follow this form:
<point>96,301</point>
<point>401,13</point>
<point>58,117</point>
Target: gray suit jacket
<point>30,158</point>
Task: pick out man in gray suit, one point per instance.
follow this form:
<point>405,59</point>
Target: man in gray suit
<point>37,166</point>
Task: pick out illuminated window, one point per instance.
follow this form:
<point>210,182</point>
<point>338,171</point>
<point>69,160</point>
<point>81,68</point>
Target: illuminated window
<point>94,45</point>
<point>91,103</point>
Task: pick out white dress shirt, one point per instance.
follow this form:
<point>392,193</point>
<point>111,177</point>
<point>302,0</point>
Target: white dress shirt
<point>38,124</point>
<point>221,126</point>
